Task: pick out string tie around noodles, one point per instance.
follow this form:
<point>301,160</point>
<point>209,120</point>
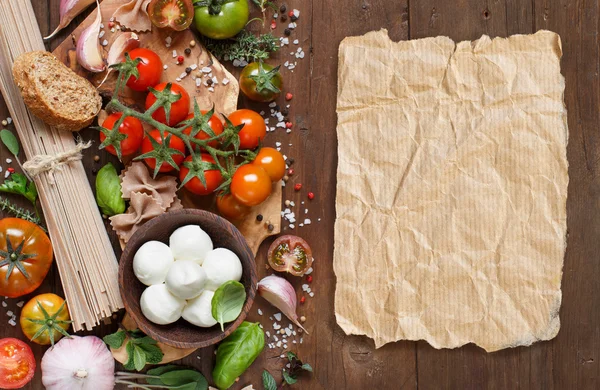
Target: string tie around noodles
<point>50,163</point>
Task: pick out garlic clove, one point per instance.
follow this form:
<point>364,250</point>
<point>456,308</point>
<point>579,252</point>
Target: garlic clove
<point>281,294</point>
<point>124,43</point>
<point>68,10</point>
<point>89,51</point>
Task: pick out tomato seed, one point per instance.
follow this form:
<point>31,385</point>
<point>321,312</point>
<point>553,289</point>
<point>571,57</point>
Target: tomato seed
<point>298,186</point>
<point>311,195</point>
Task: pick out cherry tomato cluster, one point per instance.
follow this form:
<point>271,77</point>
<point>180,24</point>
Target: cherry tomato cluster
<point>211,155</point>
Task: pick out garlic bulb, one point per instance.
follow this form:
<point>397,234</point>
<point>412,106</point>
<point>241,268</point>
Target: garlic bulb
<point>281,294</point>
<point>82,363</point>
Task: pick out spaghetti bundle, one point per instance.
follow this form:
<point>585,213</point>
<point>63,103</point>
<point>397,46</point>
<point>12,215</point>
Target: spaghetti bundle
<point>84,255</point>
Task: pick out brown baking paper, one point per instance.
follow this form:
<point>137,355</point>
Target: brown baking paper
<point>451,190</point>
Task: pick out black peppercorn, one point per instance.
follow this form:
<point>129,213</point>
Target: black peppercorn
<point>188,70</point>
<point>270,227</point>
<point>283,17</point>
<point>94,171</point>
<point>259,217</point>
<point>285,112</point>
<point>290,161</point>
<point>283,8</point>
<point>188,51</point>
<point>209,82</point>
<point>287,32</point>
<point>294,18</point>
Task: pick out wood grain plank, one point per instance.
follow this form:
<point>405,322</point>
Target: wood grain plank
<point>344,362</point>
<point>576,350</point>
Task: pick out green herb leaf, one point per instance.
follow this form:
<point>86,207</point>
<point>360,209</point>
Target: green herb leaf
<point>236,353</point>
<point>19,212</point>
<point>157,371</point>
<point>139,358</point>
<point>268,381</point>
<point>129,365</point>
<point>228,301</point>
<point>290,380</point>
<point>10,141</point>
<point>153,353</point>
<point>116,339</point>
<point>307,367</point>
<point>19,184</point>
<point>108,191</point>
<point>177,377</point>
<point>245,46</point>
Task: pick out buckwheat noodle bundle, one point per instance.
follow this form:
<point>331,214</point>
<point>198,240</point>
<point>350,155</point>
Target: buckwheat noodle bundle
<point>84,256</point>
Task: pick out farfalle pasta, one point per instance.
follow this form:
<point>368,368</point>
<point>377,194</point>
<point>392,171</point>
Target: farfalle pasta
<point>142,208</point>
<point>136,178</point>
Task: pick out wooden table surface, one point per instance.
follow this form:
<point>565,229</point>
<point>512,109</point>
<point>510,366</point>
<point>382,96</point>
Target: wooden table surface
<point>572,359</point>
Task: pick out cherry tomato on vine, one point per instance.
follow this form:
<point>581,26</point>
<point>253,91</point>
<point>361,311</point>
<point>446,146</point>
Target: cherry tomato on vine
<point>218,19</point>
<point>271,160</point>
<point>53,323</point>
<point>25,257</point>
<point>261,82</point>
<point>290,254</point>
<point>254,129</point>
<point>250,185</point>
<point>176,14</point>
<point>179,109</point>
<point>213,177</point>
<point>131,127</point>
<point>215,124</point>
<point>150,69</point>
<point>175,143</point>
<point>17,363</point>
<point>230,208</point>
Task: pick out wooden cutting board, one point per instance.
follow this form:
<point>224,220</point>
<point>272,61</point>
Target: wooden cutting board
<point>224,98</point>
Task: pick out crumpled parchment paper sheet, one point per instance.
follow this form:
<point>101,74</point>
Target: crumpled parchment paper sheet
<point>451,189</point>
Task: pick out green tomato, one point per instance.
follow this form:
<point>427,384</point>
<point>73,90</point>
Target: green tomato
<point>221,19</point>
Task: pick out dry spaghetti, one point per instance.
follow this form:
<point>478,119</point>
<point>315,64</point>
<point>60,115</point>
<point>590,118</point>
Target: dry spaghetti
<point>84,255</point>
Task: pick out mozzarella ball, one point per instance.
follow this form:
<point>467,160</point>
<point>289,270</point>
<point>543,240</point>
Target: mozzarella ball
<point>221,265</point>
<point>190,242</point>
<point>152,262</point>
<point>160,306</point>
<point>198,311</point>
<point>185,279</point>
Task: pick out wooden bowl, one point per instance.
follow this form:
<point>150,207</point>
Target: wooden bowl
<point>182,334</point>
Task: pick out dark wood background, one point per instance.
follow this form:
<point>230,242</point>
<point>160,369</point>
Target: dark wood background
<point>571,361</point>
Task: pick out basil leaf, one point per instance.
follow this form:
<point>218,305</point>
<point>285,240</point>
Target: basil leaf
<point>139,358</point>
<point>236,353</point>
<point>19,184</point>
<point>115,340</point>
<point>108,191</point>
<point>10,141</point>
<point>290,380</point>
<point>307,367</point>
<point>228,301</point>
<point>268,381</point>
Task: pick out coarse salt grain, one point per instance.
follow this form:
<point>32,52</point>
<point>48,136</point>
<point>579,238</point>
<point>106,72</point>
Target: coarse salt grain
<point>296,13</point>
<point>8,161</point>
<point>9,313</point>
<point>309,271</point>
<point>104,42</point>
<point>277,316</point>
<point>4,304</point>
<point>174,53</point>
<point>211,89</point>
<point>307,221</point>
<point>268,333</point>
<point>165,67</point>
<point>9,120</point>
<point>20,304</point>
<point>312,294</point>
<point>296,41</point>
<point>101,34</point>
<point>276,326</point>
<point>225,81</point>
<point>12,322</point>
<point>198,82</point>
<point>260,312</point>
<point>6,174</point>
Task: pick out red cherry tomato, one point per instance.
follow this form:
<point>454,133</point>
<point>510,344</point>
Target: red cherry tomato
<point>230,208</point>
<point>150,69</point>
<point>131,127</point>
<point>254,129</point>
<point>290,254</point>
<point>250,185</point>
<point>179,109</point>
<point>214,123</point>
<point>212,176</point>
<point>17,363</point>
<point>272,162</point>
<point>175,143</point>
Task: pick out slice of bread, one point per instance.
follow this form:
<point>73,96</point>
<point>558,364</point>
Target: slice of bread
<point>54,93</point>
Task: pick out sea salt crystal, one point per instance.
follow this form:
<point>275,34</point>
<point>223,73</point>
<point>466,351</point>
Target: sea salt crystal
<point>12,322</point>
<point>225,81</point>
<point>292,203</point>
<point>294,341</point>
<point>284,346</point>
<point>304,287</point>
<point>309,271</point>
<point>305,211</point>
<point>9,313</point>
<point>165,67</point>
<point>301,224</point>
<point>211,89</point>
<point>198,82</point>
<point>276,326</point>
<point>4,304</point>
<point>6,174</point>
<point>101,34</point>
<point>260,312</point>
<point>292,26</point>
<point>273,104</point>
<point>275,338</point>
<point>174,53</point>
<point>282,356</point>
<point>8,160</point>
<point>20,304</point>
<point>104,42</point>
<point>312,294</point>
<point>9,120</point>
<point>168,40</point>
<point>296,41</point>
<point>206,69</point>
<point>278,344</point>
<point>288,332</point>
<point>307,221</point>
<point>277,143</point>
<point>277,316</point>
<point>292,226</point>
<point>268,333</point>
<point>112,30</point>
<point>296,13</point>
<point>101,26</point>
<point>181,76</point>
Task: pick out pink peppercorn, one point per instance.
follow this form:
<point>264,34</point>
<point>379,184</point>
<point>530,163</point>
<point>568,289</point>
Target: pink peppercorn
<point>298,186</point>
<point>11,170</point>
<point>288,96</point>
<point>288,125</point>
<point>180,59</point>
<point>309,279</point>
<point>273,25</point>
<point>303,299</point>
<point>291,171</point>
<point>311,195</point>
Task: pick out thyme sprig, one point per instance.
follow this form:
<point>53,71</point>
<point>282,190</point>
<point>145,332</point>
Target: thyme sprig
<point>226,160</point>
<point>7,205</point>
<point>245,46</point>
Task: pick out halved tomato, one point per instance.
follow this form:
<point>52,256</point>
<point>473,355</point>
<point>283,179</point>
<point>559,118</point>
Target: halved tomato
<point>176,14</point>
<point>17,364</point>
<point>290,254</point>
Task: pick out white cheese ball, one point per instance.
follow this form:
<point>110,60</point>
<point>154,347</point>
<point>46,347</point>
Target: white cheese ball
<point>160,306</point>
<point>185,279</point>
<point>190,242</point>
<point>198,311</point>
<point>152,262</point>
<point>221,265</point>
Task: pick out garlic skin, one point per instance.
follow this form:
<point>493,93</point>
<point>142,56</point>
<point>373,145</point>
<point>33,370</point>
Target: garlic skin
<point>88,50</point>
<point>190,242</point>
<point>186,279</point>
<point>68,10</point>
<point>160,306</point>
<point>124,43</point>
<point>198,311</point>
<point>281,294</point>
<point>221,265</point>
<point>78,363</point>
<point>152,262</point>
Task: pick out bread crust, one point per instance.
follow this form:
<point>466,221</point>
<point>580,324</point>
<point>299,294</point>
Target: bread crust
<point>24,76</point>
